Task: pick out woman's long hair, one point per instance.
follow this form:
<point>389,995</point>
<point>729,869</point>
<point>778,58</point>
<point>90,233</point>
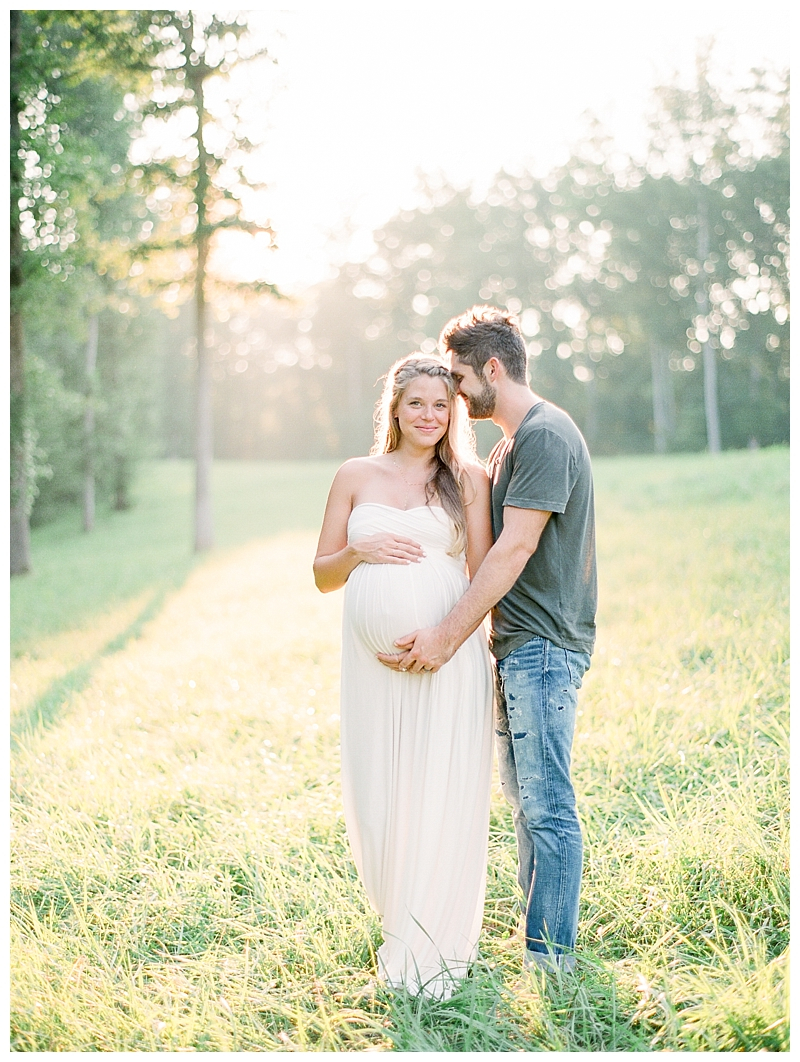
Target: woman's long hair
<point>457,446</point>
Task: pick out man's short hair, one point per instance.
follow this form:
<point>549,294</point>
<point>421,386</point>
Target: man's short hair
<point>485,332</point>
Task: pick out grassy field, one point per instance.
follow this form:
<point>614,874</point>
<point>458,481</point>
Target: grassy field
<point>180,872</point>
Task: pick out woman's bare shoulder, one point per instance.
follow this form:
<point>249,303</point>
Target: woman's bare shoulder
<point>356,469</point>
<point>478,481</point>
<point>359,465</point>
<point>476,471</point>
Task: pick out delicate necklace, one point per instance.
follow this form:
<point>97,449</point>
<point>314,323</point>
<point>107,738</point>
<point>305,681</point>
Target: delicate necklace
<point>408,485</point>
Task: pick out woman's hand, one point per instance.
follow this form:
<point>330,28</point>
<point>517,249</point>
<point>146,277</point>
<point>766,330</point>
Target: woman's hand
<point>336,558</point>
<point>387,549</point>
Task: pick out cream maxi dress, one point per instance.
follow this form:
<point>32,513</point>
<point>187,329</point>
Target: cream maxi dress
<point>416,756</point>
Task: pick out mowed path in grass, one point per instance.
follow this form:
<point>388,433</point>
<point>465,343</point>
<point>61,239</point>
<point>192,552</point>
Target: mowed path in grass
<point>181,875</point>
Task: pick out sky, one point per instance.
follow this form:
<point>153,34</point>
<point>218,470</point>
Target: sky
<point>364,97</point>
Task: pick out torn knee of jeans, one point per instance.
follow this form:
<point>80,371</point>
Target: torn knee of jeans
<point>529,800</point>
<point>518,737</point>
<point>528,778</point>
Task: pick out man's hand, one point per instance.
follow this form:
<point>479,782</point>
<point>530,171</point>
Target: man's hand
<point>425,650</point>
<point>431,648</point>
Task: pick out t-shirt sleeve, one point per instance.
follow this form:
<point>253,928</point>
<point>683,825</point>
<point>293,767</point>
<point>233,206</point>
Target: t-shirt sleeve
<point>541,477</point>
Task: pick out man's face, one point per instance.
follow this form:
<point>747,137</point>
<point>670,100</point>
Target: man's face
<point>478,394</point>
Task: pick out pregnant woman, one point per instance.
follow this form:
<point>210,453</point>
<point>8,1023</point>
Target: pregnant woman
<point>402,527</point>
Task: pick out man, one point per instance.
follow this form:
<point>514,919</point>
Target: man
<point>540,582</point>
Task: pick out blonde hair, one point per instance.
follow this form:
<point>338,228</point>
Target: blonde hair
<point>455,448</point>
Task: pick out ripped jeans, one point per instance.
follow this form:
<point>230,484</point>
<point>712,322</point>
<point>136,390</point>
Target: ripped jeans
<point>537,688</point>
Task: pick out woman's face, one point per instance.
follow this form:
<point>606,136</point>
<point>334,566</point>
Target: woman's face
<point>423,412</point>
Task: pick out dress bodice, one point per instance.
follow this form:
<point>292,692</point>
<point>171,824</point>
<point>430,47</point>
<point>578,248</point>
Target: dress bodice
<point>429,525</point>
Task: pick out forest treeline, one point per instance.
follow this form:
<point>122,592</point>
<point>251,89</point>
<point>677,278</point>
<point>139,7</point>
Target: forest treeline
<point>652,292</point>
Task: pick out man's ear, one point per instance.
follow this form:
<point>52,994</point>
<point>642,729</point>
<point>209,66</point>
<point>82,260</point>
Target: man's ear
<point>491,369</point>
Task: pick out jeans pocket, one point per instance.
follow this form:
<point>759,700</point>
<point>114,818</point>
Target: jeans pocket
<point>578,664</point>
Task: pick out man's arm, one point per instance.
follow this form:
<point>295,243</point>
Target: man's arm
<point>429,649</point>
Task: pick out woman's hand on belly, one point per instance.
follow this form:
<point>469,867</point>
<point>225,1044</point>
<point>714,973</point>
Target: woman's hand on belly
<point>386,548</point>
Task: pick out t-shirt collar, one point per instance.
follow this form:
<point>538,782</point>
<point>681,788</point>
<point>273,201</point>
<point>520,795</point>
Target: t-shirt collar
<point>536,404</point>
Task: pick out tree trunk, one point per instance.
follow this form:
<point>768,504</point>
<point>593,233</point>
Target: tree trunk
<point>353,442</point>
<point>121,479</point>
<point>204,443</point>
<point>88,426</point>
<point>755,381</point>
<point>19,513</point>
<point>20,442</point>
<point>709,357</point>
<point>710,395</point>
<point>591,424</point>
<point>662,419</point>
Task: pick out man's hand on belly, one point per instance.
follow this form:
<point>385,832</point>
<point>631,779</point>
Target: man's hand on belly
<point>431,648</point>
<point>425,650</point>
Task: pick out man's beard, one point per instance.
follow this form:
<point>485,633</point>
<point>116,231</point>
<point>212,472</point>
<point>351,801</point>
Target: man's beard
<point>481,406</point>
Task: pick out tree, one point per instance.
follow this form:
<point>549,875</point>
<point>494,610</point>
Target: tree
<point>132,345</point>
<point>701,145</point>
<point>21,443</point>
<point>56,57</point>
<point>600,259</point>
<point>205,187</point>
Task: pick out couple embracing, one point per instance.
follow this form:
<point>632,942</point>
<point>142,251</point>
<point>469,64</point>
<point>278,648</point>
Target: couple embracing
<point>426,543</point>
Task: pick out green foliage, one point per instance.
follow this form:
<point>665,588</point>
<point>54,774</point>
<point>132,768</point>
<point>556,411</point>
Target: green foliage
<point>25,448</point>
<point>71,210</point>
<point>625,274</point>
<point>203,185</point>
<point>127,393</point>
<point>180,872</point>
<point>604,259</point>
<point>73,135</point>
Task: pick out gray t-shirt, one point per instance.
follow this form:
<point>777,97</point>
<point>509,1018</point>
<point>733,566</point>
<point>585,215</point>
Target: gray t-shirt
<point>545,465</point>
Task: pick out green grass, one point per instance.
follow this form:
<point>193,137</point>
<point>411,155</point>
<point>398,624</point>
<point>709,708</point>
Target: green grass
<point>181,878</point>
<point>148,549</point>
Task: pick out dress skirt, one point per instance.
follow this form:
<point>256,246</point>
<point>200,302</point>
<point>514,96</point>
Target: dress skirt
<point>416,757</point>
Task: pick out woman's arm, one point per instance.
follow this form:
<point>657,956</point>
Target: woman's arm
<point>335,559</point>
<point>477,509</point>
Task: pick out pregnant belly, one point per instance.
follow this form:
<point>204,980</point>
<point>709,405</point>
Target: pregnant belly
<point>386,601</point>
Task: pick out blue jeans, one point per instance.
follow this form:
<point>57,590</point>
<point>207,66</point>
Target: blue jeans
<point>537,688</point>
